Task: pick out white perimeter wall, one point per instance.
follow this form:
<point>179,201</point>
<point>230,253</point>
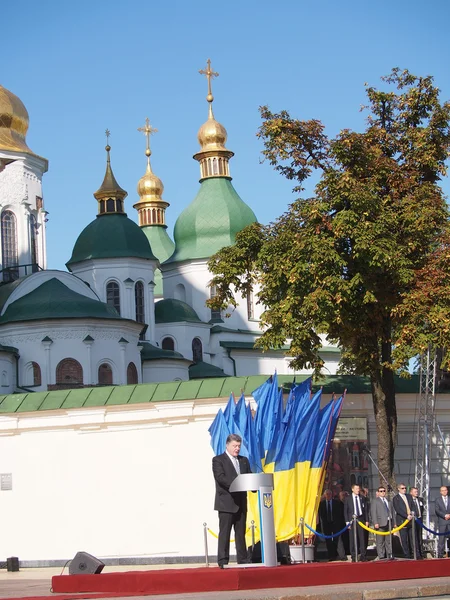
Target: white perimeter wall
<point>136,480</point>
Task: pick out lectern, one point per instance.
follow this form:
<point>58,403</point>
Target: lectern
<point>263,484</point>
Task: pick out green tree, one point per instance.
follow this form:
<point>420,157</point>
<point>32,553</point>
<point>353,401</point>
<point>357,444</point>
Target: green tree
<point>351,261</point>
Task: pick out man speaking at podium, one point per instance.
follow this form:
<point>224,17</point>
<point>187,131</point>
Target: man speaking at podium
<point>232,507</point>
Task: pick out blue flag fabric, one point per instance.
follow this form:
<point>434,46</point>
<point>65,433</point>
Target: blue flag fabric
<point>219,432</point>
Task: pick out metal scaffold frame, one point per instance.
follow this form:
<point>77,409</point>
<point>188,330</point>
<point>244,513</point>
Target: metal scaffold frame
<point>425,426</point>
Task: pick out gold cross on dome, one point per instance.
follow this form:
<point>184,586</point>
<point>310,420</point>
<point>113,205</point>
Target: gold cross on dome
<point>210,74</point>
<point>148,130</point>
<point>107,133</point>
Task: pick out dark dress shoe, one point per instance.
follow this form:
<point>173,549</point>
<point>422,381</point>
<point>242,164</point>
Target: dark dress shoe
<point>221,565</point>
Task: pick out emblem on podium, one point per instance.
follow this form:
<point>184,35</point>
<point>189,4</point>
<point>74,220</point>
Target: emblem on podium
<point>267,500</point>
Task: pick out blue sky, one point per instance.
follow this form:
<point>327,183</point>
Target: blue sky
<point>81,67</point>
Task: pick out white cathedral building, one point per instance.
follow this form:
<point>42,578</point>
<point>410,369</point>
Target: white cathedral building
<point>132,306</point>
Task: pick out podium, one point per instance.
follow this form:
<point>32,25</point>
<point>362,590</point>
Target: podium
<point>263,484</point>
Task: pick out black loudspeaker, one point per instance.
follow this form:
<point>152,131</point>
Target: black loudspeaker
<point>12,563</point>
<point>85,564</point>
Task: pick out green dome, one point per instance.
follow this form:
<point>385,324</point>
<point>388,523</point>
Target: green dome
<point>211,221</point>
<point>162,247</point>
<point>111,236</point>
<point>151,352</point>
<point>54,300</point>
<point>174,311</point>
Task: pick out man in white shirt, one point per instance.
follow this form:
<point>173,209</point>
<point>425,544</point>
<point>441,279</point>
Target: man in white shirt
<point>402,506</point>
<point>442,510</point>
<point>418,508</point>
<point>355,504</point>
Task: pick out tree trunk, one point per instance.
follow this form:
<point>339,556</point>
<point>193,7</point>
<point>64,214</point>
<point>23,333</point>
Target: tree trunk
<point>385,410</point>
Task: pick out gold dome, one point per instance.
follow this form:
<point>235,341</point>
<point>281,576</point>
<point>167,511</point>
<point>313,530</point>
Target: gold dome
<point>150,187</point>
<point>13,122</point>
<point>212,135</point>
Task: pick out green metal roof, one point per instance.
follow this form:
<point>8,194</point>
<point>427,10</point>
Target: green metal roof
<point>151,352</point>
<point>182,390</point>
<point>54,300</point>
<point>202,370</point>
<point>162,247</point>
<point>211,221</point>
<point>174,311</point>
<point>111,236</point>
<point>222,329</point>
<point>6,289</point>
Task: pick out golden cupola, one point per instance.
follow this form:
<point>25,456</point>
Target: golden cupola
<point>151,207</point>
<point>110,195</point>
<point>212,136</point>
<point>14,122</point>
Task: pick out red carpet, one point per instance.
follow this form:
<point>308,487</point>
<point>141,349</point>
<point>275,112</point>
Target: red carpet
<point>213,579</point>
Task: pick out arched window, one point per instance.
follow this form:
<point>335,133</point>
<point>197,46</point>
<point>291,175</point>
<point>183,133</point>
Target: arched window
<point>37,379</point>
<point>168,344</point>
<point>33,244</point>
<point>139,301</point>
<point>216,315</point>
<point>9,246</point>
<point>113,295</point>
<point>102,206</point>
<point>105,374</point>
<point>180,292</point>
<point>197,350</point>
<point>132,375</point>
<point>110,205</point>
<point>4,379</point>
<point>69,373</point>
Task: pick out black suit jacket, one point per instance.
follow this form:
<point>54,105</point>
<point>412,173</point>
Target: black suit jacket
<point>349,509</point>
<point>336,515</point>
<point>224,475</point>
<point>441,511</point>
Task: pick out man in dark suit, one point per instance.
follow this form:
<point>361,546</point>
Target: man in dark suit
<point>355,504</point>
<point>330,515</point>
<point>232,507</point>
<point>402,506</point>
<point>417,507</point>
<point>442,510</point>
<point>382,514</point>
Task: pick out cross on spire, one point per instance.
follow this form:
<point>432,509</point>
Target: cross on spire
<point>210,74</point>
<point>107,133</point>
<point>148,130</point>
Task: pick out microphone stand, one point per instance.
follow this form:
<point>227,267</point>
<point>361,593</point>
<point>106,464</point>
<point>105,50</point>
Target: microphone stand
<point>388,489</point>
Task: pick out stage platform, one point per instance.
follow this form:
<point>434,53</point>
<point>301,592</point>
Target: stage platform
<point>213,579</point>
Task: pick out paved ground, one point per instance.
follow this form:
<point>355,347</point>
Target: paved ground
<point>37,582</point>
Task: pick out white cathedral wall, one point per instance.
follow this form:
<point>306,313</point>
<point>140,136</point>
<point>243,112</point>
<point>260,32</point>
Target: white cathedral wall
<point>136,481</point>
<point>20,187</point>
<point>157,371</point>
<point>67,342</point>
<point>8,370</point>
<point>98,273</point>
<point>195,277</point>
<point>182,335</point>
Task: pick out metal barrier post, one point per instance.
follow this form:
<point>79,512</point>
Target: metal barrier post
<point>253,534</point>
<point>302,538</point>
<point>205,539</point>
<point>413,526</point>
<point>355,537</point>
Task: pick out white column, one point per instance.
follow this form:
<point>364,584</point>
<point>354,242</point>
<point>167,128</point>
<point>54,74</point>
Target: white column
<point>150,315</point>
<point>47,342</point>
<point>88,341</point>
<point>128,304</point>
<point>123,360</point>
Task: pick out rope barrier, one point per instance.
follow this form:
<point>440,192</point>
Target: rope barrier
<point>327,537</point>
<point>232,541</point>
<point>376,532</point>
<point>430,530</point>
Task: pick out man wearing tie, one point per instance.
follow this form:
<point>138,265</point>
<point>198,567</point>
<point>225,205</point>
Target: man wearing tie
<point>442,510</point>
<point>381,512</point>
<point>402,506</point>
<point>356,505</point>
<point>418,508</point>
<point>232,506</point>
<point>330,519</point>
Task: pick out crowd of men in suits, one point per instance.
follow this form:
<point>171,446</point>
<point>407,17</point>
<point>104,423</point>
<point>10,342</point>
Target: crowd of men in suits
<point>383,515</point>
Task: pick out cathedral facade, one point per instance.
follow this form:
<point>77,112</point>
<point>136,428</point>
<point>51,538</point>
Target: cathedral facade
<point>132,306</point>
